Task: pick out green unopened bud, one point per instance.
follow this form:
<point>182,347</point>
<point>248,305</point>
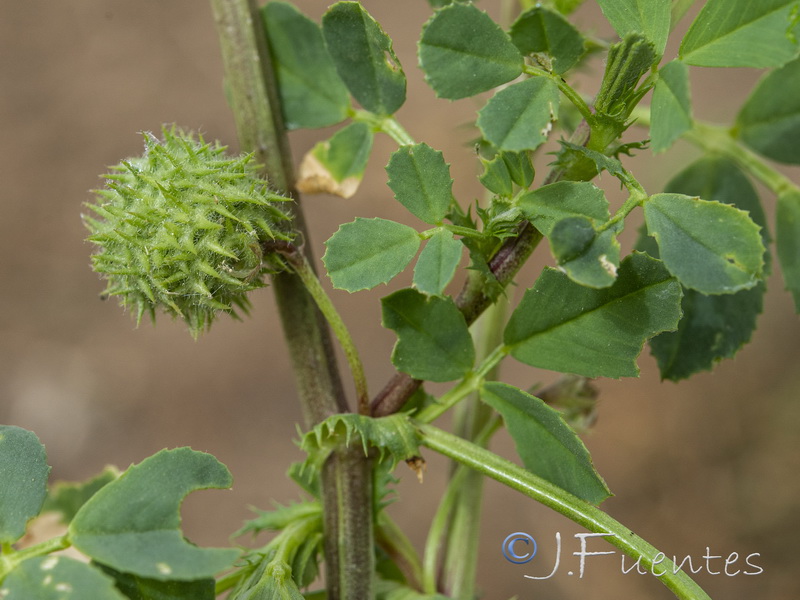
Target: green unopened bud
<point>182,228</point>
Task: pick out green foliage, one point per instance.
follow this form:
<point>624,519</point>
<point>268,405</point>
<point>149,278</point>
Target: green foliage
<point>394,437</point>
<point>545,443</point>
<point>437,263</point>
<point>337,165</point>
<point>540,30</point>
<point>742,33</point>
<point>769,121</point>
<point>67,498</point>
<point>133,523</point>
<point>142,588</point>
<point>23,471</point>
<point>671,109</point>
<point>520,116</point>
<point>787,234</point>
<point>563,326</point>
<point>463,52</point>
<point>710,247</point>
<point>364,58</point>
<point>433,341</point>
<point>312,93</point>
<point>650,17</point>
<point>58,578</point>
<point>713,327</point>
<point>192,231</point>
<point>181,228</point>
<point>420,180</point>
<point>367,252</point>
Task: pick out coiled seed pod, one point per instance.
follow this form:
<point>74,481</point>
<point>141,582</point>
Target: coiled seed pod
<point>182,228</point>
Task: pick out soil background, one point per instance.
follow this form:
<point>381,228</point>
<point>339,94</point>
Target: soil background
<point>709,465</point>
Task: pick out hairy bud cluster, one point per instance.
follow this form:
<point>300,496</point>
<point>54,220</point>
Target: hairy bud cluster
<point>182,228</point>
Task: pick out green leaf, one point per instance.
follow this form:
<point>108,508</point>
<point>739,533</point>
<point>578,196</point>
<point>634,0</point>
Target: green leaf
<point>542,30</point>
<point>23,473</point>
<point>712,327</point>
<point>367,252</point>
<point>67,498</point>
<point>394,436</point>
<point>547,446</point>
<point>520,116</point>
<point>742,33</point>
<point>650,17</point>
<point>565,7</point>
<point>519,167</point>
<point>597,263</point>
<point>437,263</point>
<point>551,203</point>
<point>272,580</point>
<point>57,578</point>
<point>433,341</point>
<point>133,523</point>
<point>769,121</point>
<point>336,166</point>
<point>671,108</point>
<point>463,52</point>
<point>710,247</point>
<point>787,240</point>
<point>563,326</point>
<point>364,58</point>
<point>572,154</point>
<point>141,588</point>
<point>312,93</point>
<point>420,180</point>
<point>496,178</point>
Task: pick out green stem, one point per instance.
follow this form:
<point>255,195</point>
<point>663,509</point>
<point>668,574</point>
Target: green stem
<point>720,140</point>
<point>388,125</point>
<point>579,511</point>
<point>301,266</point>
<point>464,388</point>
<point>9,559</point>
<point>565,88</point>
<point>347,497</point>
<point>394,542</point>
<point>460,556</point>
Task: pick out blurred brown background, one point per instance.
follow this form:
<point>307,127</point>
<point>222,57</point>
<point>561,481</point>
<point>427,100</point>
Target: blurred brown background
<point>712,462</point>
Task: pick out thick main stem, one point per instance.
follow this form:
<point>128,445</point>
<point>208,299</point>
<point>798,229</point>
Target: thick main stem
<point>346,478</point>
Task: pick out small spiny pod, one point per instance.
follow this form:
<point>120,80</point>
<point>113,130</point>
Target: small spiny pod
<point>183,227</point>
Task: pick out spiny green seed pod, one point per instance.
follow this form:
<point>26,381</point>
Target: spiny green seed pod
<point>182,228</point>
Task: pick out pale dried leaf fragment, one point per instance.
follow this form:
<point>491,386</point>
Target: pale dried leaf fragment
<point>315,178</point>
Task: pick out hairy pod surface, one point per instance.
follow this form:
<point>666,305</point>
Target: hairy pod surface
<point>182,228</point>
